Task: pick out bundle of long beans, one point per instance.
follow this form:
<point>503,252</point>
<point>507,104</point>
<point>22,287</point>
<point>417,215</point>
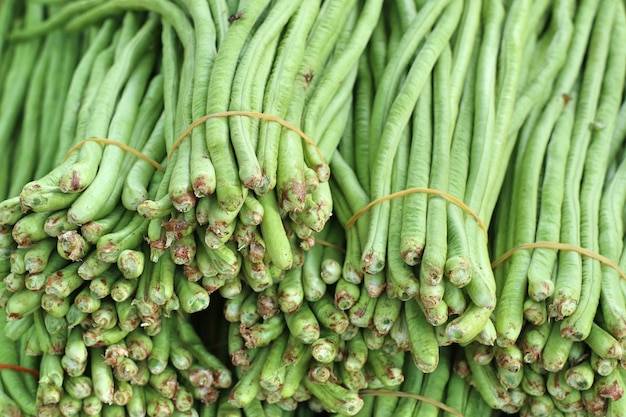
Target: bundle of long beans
<point>423,164</point>
<point>561,318</point>
<point>316,181</point>
<point>229,204</point>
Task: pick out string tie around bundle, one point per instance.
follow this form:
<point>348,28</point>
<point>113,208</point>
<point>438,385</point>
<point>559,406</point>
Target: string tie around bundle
<point>559,246</point>
<point>448,197</point>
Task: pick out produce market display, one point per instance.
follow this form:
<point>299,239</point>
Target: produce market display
<point>307,207</point>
